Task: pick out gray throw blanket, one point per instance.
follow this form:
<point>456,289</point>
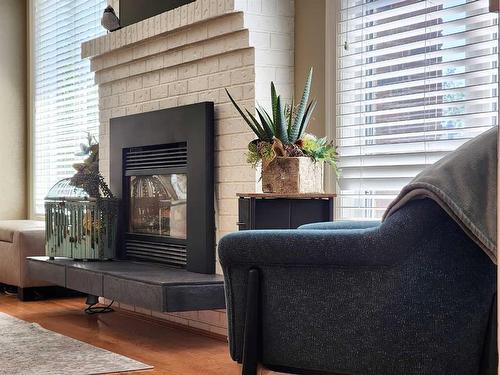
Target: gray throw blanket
<point>464,184</point>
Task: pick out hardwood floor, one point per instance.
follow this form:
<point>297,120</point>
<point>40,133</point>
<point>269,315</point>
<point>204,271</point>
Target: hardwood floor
<point>170,350</point>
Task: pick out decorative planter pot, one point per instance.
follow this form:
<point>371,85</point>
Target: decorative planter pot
<point>295,175</point>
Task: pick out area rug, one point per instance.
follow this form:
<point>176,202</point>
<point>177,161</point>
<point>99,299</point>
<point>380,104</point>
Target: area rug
<point>28,349</point>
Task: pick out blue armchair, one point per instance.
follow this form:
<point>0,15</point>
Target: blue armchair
<point>413,295</point>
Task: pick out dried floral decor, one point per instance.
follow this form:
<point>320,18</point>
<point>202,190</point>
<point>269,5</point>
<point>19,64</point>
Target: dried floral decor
<point>81,213</point>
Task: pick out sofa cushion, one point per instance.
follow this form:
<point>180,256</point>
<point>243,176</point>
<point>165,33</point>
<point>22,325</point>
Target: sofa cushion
<point>9,227</point>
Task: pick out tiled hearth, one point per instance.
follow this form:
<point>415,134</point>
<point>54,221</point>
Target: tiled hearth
<point>189,55</point>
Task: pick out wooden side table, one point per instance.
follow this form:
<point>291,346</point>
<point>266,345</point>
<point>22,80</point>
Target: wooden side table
<point>283,211</point>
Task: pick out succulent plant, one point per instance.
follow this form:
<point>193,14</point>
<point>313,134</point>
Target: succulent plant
<point>287,123</point>
<point>283,132</point>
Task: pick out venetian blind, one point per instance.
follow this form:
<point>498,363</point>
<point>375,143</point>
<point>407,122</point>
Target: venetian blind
<point>65,96</point>
<point>416,79</point>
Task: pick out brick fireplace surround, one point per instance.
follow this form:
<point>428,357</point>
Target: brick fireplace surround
<point>189,55</point>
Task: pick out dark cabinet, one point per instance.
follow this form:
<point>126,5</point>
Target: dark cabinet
<point>275,211</point>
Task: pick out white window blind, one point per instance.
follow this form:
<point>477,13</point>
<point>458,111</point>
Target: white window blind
<point>65,97</point>
<point>416,79</point>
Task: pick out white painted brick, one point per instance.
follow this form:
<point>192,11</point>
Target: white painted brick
<point>177,17</point>
<point>205,8</point>
<point>198,84</point>
<point>285,8</point>
<point>219,80</point>
<point>197,33</point>
<point>209,96</point>
<point>154,63</point>
<point>192,53</point>
<point>184,15</point>
<point>140,51</point>
<point>177,88</point>
<point>173,58</point>
<point>169,103</point>
<point>255,6</point>
<point>235,91</point>
<point>220,26</point>
<point>177,39</point>
<point>260,39</point>
<point>213,8</point>
<point>265,73</point>
<point>269,7</point>
<point>231,126</point>
<point>190,13</point>
<point>134,83</point>
<point>229,158</point>
<point>281,41</point>
<point>168,75</point>
<point>230,189</point>
<point>126,99</point>
<point>238,141</point>
<point>208,65</point>
<point>137,67</point>
<point>104,90</point>
<point>159,92</point>
<point>157,22</point>
<point>118,87</point>
<point>133,109</point>
<point>157,45</point>
<point>151,106</point>
<point>210,317</point>
<point>118,112</point>
<point>187,71</point>
<point>142,95</point>
<point>231,61</point>
<point>188,99</point>
<point>213,47</point>
<point>151,79</point>
<point>242,76</point>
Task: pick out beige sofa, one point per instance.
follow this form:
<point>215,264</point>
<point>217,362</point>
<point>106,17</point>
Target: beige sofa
<point>20,239</point>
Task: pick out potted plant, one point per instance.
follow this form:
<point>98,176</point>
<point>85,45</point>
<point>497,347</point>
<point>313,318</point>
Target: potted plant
<point>292,160</point>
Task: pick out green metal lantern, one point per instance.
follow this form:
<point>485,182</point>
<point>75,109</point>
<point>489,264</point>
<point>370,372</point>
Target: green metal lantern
<point>79,226</point>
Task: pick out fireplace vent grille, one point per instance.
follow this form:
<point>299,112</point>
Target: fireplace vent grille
<point>168,253</point>
<point>173,155</point>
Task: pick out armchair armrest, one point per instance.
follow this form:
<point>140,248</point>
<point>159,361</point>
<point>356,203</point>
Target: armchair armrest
<point>341,224</point>
<point>344,248</point>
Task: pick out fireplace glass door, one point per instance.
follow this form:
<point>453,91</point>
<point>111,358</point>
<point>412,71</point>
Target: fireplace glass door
<point>158,205</point>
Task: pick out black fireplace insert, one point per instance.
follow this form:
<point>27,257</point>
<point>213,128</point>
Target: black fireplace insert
<point>162,166</point>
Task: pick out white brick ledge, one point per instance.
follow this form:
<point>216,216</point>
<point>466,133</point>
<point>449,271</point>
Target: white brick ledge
<point>171,21</point>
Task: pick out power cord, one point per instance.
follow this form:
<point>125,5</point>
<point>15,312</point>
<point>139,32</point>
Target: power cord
<point>93,309</point>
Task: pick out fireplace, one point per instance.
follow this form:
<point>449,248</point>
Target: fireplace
<point>162,167</point>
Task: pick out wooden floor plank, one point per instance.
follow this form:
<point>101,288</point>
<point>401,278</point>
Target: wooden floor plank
<point>170,350</point>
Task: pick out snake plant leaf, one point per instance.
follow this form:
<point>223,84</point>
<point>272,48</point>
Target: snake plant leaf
<point>259,132</point>
<point>266,122</point>
<point>307,117</point>
<point>290,116</point>
<point>281,128</point>
<point>295,129</point>
<point>267,116</point>
<point>274,104</point>
<point>262,127</point>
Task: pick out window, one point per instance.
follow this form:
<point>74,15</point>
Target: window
<point>65,97</point>
<point>416,79</point>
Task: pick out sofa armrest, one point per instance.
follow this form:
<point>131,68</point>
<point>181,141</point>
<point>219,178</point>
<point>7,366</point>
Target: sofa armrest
<point>357,247</point>
<point>341,224</point>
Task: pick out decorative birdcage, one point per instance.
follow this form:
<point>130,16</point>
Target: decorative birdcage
<point>79,226</point>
